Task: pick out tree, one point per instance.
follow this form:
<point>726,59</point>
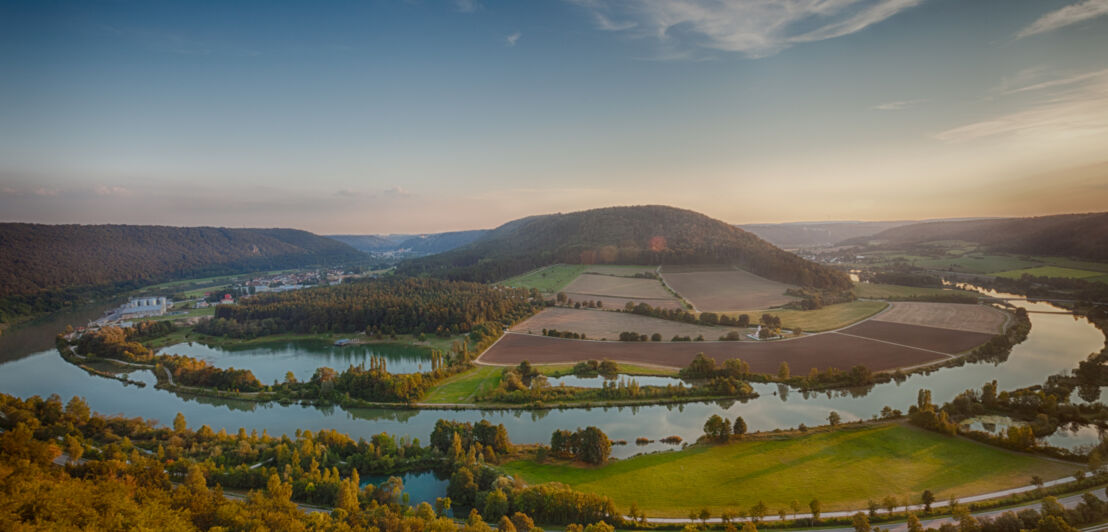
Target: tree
<point>656,337</point>
<point>739,428</point>
<point>783,371</point>
<point>179,424</point>
<point>442,504</point>
<point>928,499</point>
<point>505,525</point>
<point>889,503</point>
<point>749,527</point>
<point>704,515</point>
<point>758,511</point>
<point>814,507</point>
<point>73,448</point>
<point>496,504</point>
<point>347,498</point>
<point>861,522</point>
<point>522,522</point>
<point>914,524</point>
<point>923,399</point>
<point>717,428</point>
<point>795,507</point>
<point>833,418</point>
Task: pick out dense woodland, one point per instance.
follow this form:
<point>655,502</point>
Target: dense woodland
<point>63,467</point>
<point>1083,236</point>
<point>391,305</point>
<point>621,235</point>
<point>46,267</point>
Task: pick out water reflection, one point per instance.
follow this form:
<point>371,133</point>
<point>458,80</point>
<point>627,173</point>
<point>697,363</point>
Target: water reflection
<point>270,361</point>
<point>1055,344</point>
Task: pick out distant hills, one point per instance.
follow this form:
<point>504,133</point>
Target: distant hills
<point>620,235</point>
<point>1083,236</point>
<point>44,267</point>
<point>411,245</point>
<point>816,234</point>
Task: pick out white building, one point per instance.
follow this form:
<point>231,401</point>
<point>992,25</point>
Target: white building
<point>142,307</point>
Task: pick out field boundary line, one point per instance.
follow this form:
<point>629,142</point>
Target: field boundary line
<point>948,355</point>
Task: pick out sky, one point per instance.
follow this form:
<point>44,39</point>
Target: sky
<point>424,116</point>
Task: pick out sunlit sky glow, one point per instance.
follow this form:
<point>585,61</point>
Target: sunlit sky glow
<point>420,116</point>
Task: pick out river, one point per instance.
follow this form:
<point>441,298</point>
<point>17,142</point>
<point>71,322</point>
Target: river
<point>1057,342</point>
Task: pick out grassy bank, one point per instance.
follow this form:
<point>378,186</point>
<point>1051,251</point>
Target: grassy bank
<point>842,468</point>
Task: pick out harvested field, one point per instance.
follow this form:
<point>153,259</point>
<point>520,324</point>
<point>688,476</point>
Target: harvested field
<point>599,324</point>
<point>724,289</point>
<point>817,351</point>
<point>960,317</point>
<point>616,292</point>
<point>932,338</point>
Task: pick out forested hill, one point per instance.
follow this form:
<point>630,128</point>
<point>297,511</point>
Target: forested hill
<point>620,235</point>
<point>44,266</point>
<point>1082,236</point>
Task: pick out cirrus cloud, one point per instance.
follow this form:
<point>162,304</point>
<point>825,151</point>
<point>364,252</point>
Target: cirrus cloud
<point>754,28</point>
<point>1067,16</point>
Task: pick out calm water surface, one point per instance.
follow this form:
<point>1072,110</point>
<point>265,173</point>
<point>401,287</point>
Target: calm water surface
<point>1057,342</point>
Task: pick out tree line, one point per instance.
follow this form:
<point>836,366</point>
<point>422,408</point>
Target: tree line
<point>391,305</point>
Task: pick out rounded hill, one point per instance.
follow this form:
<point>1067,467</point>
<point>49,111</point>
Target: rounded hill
<point>651,234</point>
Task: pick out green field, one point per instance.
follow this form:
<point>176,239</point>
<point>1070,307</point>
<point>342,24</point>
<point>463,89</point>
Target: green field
<point>825,319</point>
<point>976,263</point>
<point>892,291</point>
<point>1050,271</point>
<point>842,468</point>
<point>547,280</point>
<point>465,387</point>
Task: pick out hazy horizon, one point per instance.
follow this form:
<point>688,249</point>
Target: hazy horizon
<point>418,116</point>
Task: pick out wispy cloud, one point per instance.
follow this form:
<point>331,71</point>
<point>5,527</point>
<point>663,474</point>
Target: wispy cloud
<point>1060,82</point>
<point>755,28</point>
<point>467,6</point>
<point>897,106</point>
<point>1078,107</point>
<point>1069,15</point>
<point>512,39</point>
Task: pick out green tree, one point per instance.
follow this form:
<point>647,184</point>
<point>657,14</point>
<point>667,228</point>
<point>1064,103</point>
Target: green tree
<point>928,499</point>
<point>739,428</point>
<point>814,506</point>
<point>496,504</point>
<point>833,418</point>
<point>179,424</point>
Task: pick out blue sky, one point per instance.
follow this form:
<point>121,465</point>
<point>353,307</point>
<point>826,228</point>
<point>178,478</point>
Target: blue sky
<point>373,117</point>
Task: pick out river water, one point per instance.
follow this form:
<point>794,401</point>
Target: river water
<point>31,366</point>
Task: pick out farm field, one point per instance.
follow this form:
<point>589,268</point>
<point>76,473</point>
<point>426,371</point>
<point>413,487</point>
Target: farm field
<point>842,468</point>
<point>600,324</point>
<point>931,338</point>
<point>724,289</point>
<point>619,269</point>
<point>548,280</point>
<point>1050,271</point>
<point>975,263</point>
<point>817,351</point>
<point>892,291</point>
<point>961,317</point>
<point>827,318</point>
<point>615,292</point>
